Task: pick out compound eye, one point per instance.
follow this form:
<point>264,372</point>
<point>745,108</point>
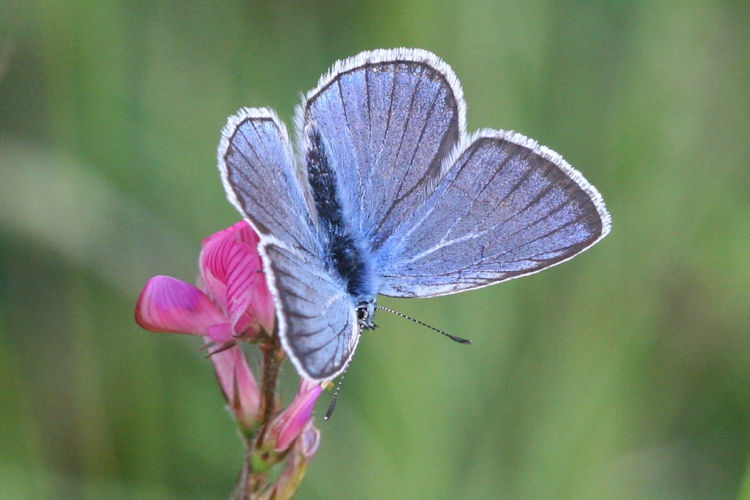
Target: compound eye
<point>361,313</point>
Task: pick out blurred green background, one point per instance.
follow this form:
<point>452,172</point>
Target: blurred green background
<point>623,374</point>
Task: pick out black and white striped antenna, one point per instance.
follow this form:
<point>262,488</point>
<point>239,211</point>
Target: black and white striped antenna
<point>454,338</point>
<point>337,391</point>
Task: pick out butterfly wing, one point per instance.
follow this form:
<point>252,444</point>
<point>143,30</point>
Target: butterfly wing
<point>507,207</point>
<point>261,181</point>
<point>316,318</point>
<point>315,313</point>
<point>388,119</point>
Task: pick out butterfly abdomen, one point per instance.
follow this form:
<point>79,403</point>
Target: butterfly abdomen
<point>345,253</point>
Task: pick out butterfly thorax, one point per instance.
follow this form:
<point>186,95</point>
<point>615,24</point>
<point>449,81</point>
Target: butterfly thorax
<point>345,253</point>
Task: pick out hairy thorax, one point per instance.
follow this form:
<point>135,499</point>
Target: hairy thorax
<point>347,253</point>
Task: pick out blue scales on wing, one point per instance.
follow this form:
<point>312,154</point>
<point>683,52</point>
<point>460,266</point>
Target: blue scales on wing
<point>506,207</point>
<point>393,197</point>
<point>388,119</point>
<point>316,318</point>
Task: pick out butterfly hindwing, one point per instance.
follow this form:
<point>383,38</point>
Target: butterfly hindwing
<point>315,313</point>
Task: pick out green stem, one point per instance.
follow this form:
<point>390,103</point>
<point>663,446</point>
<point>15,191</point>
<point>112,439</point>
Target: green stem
<point>273,356</point>
<point>253,479</point>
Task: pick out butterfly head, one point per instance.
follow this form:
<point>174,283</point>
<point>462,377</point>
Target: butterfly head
<point>366,314</point>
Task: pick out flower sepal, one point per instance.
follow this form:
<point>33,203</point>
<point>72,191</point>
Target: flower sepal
<point>263,460</point>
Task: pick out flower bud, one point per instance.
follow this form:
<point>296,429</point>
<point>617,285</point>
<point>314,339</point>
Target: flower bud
<point>285,428</point>
<point>238,385</point>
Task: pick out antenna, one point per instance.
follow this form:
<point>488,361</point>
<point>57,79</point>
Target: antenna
<point>454,338</point>
<point>212,349</point>
<point>336,392</point>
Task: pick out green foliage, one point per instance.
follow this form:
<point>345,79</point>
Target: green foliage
<point>622,374</point>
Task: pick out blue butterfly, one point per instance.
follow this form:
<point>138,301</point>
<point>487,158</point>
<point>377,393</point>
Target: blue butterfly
<point>389,195</point>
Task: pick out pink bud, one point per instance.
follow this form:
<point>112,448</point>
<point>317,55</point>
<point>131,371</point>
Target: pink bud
<point>289,424</point>
<point>300,455</point>
<point>238,385</point>
<point>308,441</point>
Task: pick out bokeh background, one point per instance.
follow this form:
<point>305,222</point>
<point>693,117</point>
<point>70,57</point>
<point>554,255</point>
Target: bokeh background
<point>622,374</point>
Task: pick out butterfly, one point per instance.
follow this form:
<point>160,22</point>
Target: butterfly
<point>389,195</point>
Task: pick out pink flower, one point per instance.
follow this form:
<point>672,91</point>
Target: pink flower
<point>290,423</point>
<point>300,455</point>
<point>238,384</point>
<point>234,303</point>
<point>167,304</point>
<point>232,274</point>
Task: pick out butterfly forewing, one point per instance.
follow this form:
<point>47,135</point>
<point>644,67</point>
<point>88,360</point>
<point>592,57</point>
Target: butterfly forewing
<point>506,208</point>
<point>388,119</point>
<point>260,177</point>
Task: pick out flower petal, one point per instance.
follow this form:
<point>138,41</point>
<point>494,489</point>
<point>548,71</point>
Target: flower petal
<point>238,384</point>
<point>289,424</point>
<point>221,333</point>
<point>212,265</point>
<point>249,302</point>
<point>309,440</point>
<point>233,274</point>
<point>167,304</point>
